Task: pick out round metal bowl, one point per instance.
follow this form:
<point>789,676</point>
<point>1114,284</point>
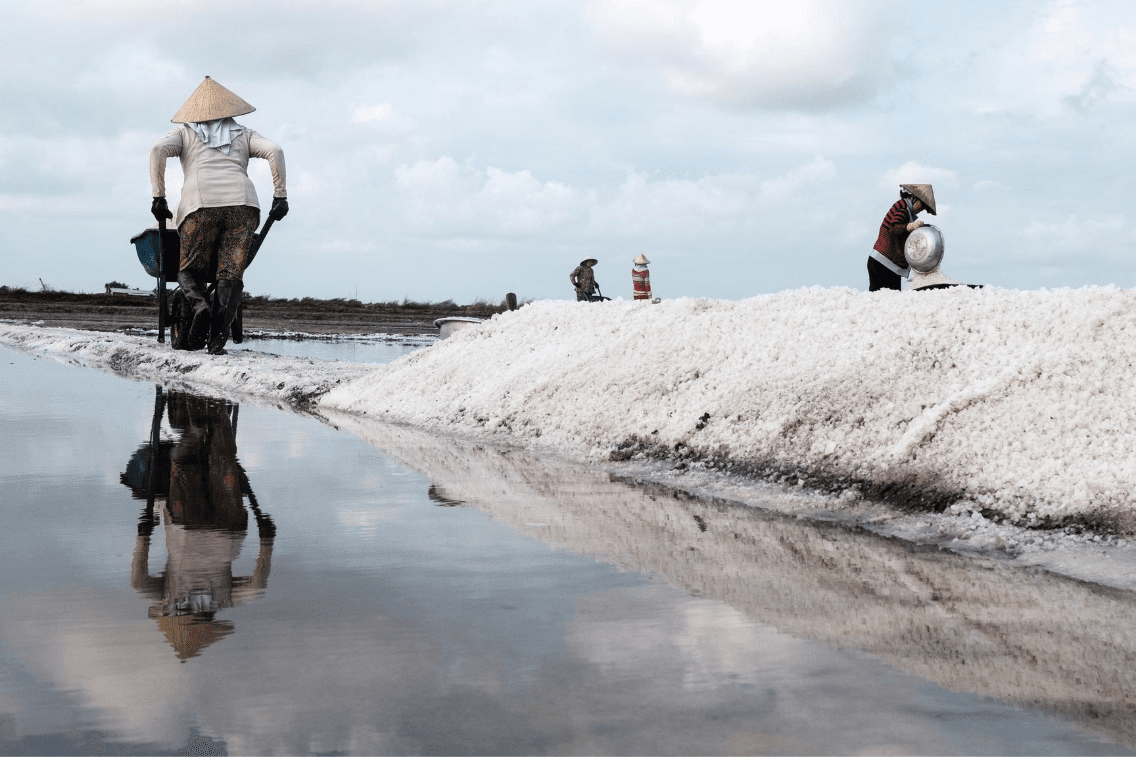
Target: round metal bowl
<point>924,248</point>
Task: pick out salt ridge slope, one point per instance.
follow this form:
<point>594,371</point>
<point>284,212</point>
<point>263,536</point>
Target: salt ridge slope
<point>1020,401</point>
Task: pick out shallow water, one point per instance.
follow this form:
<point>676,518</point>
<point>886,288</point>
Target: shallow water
<point>280,584</point>
<point>351,350</point>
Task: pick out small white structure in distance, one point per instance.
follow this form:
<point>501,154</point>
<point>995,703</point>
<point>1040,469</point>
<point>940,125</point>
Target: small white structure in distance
<point>447,326</point>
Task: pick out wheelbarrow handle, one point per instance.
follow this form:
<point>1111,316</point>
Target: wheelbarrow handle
<point>161,282</point>
<point>259,240</point>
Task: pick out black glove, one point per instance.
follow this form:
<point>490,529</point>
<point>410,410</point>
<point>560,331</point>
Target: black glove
<point>160,210</point>
<point>279,208</point>
<point>265,528</point>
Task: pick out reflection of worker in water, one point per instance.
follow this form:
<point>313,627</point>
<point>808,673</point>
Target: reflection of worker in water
<point>205,525</point>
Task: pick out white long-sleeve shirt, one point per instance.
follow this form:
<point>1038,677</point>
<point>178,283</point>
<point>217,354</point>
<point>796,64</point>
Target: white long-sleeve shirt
<point>212,178</point>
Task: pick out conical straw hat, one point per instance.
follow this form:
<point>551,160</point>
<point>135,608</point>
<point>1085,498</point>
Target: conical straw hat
<point>211,101</point>
<point>188,634</point>
<point>641,260</point>
<point>924,193</point>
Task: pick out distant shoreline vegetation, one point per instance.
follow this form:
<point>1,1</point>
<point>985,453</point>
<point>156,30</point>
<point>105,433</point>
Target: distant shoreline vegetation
<point>479,307</point>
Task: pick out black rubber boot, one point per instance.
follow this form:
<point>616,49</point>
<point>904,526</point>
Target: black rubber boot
<point>198,332</point>
<point>226,299</point>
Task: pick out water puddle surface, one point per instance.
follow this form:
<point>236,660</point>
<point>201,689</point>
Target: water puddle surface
<point>353,350</point>
<point>183,572</point>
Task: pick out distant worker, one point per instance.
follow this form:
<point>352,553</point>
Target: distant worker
<point>583,278</point>
<point>886,261</point>
<point>218,212</point>
<point>641,279</point>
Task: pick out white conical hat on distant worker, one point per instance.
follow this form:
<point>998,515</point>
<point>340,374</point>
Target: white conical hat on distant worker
<point>211,101</point>
<point>924,193</point>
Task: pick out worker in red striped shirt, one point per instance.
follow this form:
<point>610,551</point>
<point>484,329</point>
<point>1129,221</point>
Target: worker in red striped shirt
<point>641,279</point>
<point>886,261</point>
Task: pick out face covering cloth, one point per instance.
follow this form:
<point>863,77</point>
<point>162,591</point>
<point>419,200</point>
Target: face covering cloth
<point>219,133</point>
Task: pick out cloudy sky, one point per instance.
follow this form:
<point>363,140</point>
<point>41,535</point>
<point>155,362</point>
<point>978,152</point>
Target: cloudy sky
<point>463,149</point>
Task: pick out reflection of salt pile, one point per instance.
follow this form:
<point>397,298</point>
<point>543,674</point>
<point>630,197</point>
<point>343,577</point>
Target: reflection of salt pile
<point>967,624</point>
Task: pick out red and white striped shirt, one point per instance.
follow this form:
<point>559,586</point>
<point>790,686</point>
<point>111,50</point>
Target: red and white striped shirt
<point>641,282</point>
<point>893,234</point>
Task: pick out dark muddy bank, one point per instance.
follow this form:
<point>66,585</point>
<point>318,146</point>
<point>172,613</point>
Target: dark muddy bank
<point>907,493</point>
<point>117,312</point>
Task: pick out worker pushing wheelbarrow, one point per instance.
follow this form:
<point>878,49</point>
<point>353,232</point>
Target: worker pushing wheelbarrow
<point>217,216</point>
<point>583,280</point>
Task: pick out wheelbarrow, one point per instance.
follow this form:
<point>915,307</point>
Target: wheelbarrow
<point>159,252</point>
<point>148,472</point>
<point>598,296</point>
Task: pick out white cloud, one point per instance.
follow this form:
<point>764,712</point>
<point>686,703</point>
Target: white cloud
<point>426,178</point>
<point>791,183</point>
<point>134,68</point>
<point>914,172</point>
<point>524,204</point>
<point>809,54</point>
<point>672,208</point>
<point>365,113</point>
<point>1075,55</point>
<point>23,203</point>
<point>445,198</point>
<point>695,209</point>
<point>1078,234</point>
<point>385,120</point>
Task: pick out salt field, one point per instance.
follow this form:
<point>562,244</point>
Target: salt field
<point>373,578</point>
<point>1013,405</point>
<point>619,377</point>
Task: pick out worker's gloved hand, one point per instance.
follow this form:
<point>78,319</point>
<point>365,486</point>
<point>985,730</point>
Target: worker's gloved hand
<point>159,209</point>
<point>265,527</point>
<point>915,225</point>
<point>279,208</point>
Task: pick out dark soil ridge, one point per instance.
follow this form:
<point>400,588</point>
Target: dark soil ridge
<point>118,312</point>
<point>905,494</point>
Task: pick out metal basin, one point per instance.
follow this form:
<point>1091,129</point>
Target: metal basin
<point>924,248</point>
<point>447,326</point>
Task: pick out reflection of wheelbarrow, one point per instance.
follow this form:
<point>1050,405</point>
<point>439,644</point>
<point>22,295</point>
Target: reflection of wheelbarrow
<point>149,470</point>
<point>159,252</point>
